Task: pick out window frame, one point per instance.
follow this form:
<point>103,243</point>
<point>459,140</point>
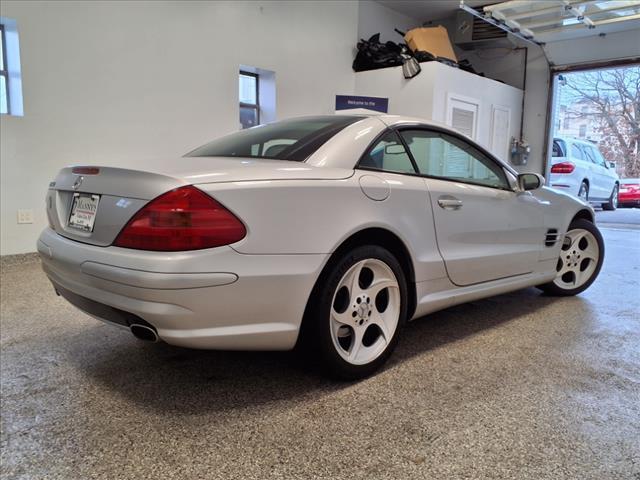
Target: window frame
<point>432,128</point>
<point>4,72</point>
<point>597,156</point>
<point>582,130</point>
<point>254,106</point>
<point>578,148</point>
<point>562,146</point>
<point>376,141</point>
<point>590,154</point>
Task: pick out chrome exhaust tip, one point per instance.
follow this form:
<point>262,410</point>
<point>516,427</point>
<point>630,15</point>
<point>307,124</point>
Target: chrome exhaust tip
<point>143,332</point>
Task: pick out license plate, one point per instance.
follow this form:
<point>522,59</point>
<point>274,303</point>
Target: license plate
<point>83,211</point>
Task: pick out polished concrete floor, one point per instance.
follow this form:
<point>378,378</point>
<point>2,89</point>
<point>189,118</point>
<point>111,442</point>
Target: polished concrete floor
<point>518,386</point>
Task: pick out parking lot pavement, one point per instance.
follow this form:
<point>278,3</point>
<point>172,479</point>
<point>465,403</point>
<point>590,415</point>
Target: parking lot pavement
<point>517,386</point>
<point>622,217</point>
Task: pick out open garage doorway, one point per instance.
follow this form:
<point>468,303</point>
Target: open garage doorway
<point>594,138</point>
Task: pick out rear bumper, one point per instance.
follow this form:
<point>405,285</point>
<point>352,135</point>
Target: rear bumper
<point>213,299</point>
<point>565,183</point>
<point>627,200</point>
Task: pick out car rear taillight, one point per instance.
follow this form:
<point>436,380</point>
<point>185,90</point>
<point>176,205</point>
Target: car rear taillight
<point>563,167</point>
<point>182,219</point>
<point>85,170</point>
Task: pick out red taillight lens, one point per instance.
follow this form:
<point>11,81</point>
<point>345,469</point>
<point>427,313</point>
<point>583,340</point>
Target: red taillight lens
<point>563,167</point>
<point>85,170</point>
<point>183,219</point>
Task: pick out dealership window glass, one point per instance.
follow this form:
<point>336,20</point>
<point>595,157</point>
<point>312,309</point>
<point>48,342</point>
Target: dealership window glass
<point>294,139</point>
<point>4,76</point>
<point>444,156</point>
<point>389,155</point>
<point>249,99</point>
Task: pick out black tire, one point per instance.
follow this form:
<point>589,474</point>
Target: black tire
<point>552,288</point>
<point>316,343</point>
<point>612,204</point>
<point>583,191</point>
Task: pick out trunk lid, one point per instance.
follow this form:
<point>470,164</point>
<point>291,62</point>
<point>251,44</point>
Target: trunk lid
<point>119,193</point>
<point>196,170</point>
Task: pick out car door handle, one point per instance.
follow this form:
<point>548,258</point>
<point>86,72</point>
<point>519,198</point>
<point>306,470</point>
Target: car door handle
<point>449,203</point>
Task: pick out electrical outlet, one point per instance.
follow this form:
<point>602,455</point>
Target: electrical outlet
<point>25,216</point>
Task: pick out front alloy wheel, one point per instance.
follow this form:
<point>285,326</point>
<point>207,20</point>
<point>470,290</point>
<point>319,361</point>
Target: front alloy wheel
<point>580,259</point>
<point>355,313</point>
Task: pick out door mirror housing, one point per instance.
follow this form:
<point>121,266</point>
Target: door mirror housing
<point>530,181</point>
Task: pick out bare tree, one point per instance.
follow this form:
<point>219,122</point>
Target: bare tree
<point>613,95</point>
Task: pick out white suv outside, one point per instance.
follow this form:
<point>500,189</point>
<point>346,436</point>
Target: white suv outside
<point>578,168</point>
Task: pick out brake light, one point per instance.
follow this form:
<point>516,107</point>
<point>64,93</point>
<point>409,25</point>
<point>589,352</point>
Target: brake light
<point>563,167</point>
<point>85,170</point>
<point>182,219</point>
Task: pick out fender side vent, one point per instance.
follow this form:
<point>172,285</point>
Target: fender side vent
<point>551,238</point>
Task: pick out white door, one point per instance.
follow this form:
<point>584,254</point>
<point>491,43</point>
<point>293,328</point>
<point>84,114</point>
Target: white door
<point>484,230</point>
<point>500,131</point>
<point>606,177</point>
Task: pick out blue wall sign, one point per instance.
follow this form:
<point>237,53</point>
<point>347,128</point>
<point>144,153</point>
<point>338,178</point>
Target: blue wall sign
<point>346,102</point>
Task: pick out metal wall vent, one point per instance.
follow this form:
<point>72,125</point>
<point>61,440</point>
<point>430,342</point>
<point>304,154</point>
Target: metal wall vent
<point>485,31</point>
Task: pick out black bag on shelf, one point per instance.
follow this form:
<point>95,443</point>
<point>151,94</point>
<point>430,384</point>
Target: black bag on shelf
<point>422,56</point>
<point>373,54</point>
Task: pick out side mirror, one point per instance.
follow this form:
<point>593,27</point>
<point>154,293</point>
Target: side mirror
<point>612,165</point>
<point>530,181</point>
<point>394,149</point>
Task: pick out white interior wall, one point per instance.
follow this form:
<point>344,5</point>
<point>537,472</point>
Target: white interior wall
<point>375,18</point>
<point>504,63</point>
<point>138,83</point>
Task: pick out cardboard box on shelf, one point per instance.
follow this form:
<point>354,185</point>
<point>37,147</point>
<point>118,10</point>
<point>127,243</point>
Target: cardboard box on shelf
<point>434,40</point>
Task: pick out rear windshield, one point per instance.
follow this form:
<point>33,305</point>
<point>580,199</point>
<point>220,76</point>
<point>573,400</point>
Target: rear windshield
<point>294,139</point>
<point>559,148</point>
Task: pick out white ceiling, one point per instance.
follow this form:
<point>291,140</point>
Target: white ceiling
<point>425,10</point>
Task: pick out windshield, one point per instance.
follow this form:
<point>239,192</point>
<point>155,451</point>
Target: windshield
<point>294,139</point>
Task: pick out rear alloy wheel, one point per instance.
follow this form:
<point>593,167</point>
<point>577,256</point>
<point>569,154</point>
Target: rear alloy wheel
<point>580,260</point>
<point>583,192</point>
<point>612,204</point>
<point>354,321</point>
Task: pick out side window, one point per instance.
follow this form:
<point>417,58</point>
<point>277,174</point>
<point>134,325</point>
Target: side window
<point>249,100</point>
<point>441,155</point>
<point>589,154</point>
<point>576,152</point>
<point>389,155</point>
<point>599,159</point>
<point>558,148</point>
